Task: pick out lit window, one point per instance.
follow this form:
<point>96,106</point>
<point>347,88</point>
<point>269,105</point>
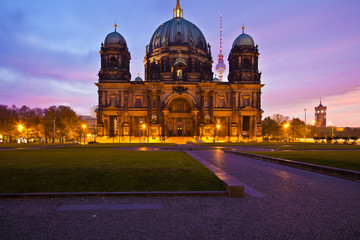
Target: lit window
<point>221,102</point>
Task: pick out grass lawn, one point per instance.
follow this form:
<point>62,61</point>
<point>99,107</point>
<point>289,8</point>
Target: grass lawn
<point>102,170</point>
<point>339,159</point>
<point>29,145</point>
<point>312,146</point>
<point>287,145</point>
<point>123,145</point>
<point>102,145</point>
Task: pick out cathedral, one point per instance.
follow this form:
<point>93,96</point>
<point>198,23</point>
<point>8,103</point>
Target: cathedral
<point>179,99</point>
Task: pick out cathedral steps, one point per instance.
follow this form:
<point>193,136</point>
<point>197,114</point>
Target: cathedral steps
<point>180,140</point>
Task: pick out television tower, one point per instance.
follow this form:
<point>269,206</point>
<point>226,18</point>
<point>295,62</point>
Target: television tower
<point>220,67</point>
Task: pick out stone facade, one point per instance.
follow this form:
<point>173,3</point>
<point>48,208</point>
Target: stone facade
<point>179,98</point>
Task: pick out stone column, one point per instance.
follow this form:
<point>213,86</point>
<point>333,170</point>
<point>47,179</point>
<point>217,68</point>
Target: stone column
<point>233,105</point>
<point>228,128</point>
<point>240,125</point>
<point>119,99</point>
<point>196,127</point>
<point>165,124</point>
<point>211,105</point>
<point>202,104</point>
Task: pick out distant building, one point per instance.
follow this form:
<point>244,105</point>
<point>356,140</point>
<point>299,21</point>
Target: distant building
<point>91,124</point>
<point>93,111</point>
<point>320,116</point>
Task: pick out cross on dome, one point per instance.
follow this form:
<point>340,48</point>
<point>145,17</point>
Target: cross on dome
<point>178,12</point>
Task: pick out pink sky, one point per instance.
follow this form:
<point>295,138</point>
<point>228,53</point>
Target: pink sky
<point>309,49</point>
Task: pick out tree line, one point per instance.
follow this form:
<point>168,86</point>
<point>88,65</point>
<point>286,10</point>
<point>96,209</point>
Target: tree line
<point>37,124</point>
<point>279,128</point>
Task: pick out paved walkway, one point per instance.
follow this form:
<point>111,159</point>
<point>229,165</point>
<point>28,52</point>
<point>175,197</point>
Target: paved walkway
<point>293,204</point>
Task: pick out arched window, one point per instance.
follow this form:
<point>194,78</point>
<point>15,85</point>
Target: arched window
<point>113,100</point>
<point>179,74</point>
<point>221,101</point>
<point>180,106</point>
<point>247,63</point>
<point>113,62</point>
<point>246,101</point>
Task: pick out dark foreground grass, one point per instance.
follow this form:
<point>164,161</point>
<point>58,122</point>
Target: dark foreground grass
<point>98,145</point>
<point>102,170</point>
<point>338,159</point>
<point>289,145</point>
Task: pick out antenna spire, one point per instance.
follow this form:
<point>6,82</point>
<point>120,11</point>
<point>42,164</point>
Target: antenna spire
<point>221,67</point>
<point>178,12</point>
<point>221,38</point>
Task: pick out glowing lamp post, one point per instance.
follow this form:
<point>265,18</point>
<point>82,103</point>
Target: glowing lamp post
<point>286,125</point>
<point>84,127</point>
<point>218,129</point>
<point>144,127</point>
<point>20,128</point>
<point>140,122</point>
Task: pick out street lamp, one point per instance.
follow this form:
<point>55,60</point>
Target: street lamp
<point>332,129</point>
<point>84,127</point>
<point>144,127</point>
<point>140,122</point>
<point>286,125</point>
<point>20,128</point>
<point>218,128</point>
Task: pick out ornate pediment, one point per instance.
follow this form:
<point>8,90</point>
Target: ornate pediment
<point>248,108</point>
<point>111,108</point>
<point>180,89</point>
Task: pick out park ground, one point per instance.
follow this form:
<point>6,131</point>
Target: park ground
<point>29,168</point>
<point>279,203</point>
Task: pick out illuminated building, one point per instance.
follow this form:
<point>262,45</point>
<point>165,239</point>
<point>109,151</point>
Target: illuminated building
<point>178,100</point>
<point>320,115</point>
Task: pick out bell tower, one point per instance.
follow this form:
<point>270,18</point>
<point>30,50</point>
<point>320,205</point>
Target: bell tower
<point>243,60</point>
<point>115,59</point>
<point>320,115</point>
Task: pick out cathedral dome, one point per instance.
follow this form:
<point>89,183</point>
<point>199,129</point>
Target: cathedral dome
<point>178,51</point>
<point>243,40</point>
<point>115,38</point>
<point>177,32</point>
<point>138,79</point>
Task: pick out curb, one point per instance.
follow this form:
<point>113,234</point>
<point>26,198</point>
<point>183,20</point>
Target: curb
<point>330,171</point>
<point>234,187</point>
<point>116,194</point>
